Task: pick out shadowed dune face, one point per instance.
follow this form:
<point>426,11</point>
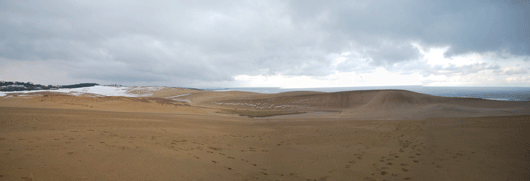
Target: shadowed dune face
<point>346,100</point>
<point>400,98</point>
<point>337,100</point>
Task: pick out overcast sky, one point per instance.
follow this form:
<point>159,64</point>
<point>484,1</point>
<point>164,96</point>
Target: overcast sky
<point>289,44</point>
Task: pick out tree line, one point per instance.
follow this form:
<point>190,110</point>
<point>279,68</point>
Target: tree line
<point>23,86</point>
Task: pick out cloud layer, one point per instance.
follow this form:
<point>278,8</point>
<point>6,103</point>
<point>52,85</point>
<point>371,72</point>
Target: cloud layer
<point>209,43</point>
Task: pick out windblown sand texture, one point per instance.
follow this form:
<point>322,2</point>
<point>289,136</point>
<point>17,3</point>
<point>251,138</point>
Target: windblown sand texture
<point>184,134</point>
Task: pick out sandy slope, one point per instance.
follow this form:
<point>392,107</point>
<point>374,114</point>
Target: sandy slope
<point>183,134</point>
<point>385,104</point>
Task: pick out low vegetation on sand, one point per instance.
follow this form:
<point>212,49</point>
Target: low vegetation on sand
<point>258,113</point>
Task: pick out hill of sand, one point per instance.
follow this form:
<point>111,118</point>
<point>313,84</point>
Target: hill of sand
<point>376,104</point>
<point>187,134</point>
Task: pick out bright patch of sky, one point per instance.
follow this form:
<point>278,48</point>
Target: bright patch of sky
<point>434,69</point>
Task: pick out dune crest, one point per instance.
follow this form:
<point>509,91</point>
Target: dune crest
<point>365,104</point>
<point>373,104</point>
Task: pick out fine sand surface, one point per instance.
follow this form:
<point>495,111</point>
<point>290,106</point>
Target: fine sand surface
<point>185,134</point>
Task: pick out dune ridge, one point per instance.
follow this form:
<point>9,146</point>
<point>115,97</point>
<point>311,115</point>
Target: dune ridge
<point>376,104</point>
<point>363,104</point>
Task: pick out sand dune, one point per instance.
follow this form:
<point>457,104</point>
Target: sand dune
<point>186,134</point>
<point>377,104</point>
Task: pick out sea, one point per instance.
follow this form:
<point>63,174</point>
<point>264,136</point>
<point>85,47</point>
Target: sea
<point>492,93</point>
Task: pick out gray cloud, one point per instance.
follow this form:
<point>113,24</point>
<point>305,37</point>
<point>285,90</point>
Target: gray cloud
<point>453,70</point>
<point>178,43</point>
<point>516,71</point>
<point>390,54</point>
<point>512,71</point>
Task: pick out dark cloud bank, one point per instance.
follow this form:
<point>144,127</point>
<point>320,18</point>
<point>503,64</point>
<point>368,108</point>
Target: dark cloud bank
<point>195,43</point>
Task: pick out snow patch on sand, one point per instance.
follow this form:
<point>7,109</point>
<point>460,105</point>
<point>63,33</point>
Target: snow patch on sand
<point>98,90</point>
<point>178,96</point>
<point>181,100</point>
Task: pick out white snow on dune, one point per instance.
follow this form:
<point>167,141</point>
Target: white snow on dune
<point>104,90</point>
<point>181,100</point>
<point>178,96</point>
<point>98,90</point>
<point>143,91</point>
